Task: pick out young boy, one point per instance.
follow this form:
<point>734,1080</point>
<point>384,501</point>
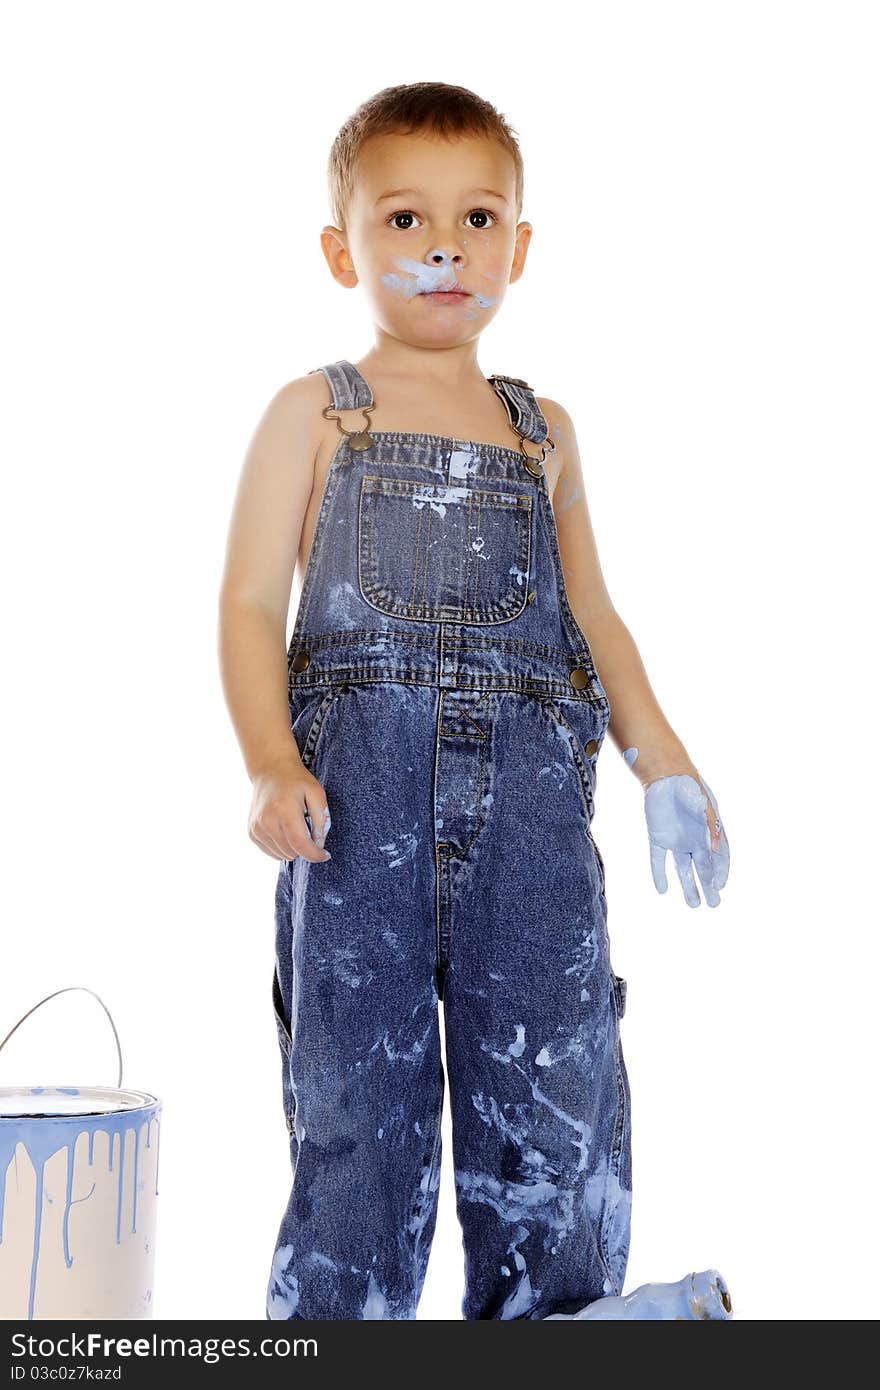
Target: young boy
<point>441,701</point>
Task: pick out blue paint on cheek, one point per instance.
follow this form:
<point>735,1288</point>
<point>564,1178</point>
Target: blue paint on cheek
<point>418,277</point>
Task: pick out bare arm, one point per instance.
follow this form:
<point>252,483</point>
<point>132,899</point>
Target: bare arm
<point>273,493</point>
<point>636,716</point>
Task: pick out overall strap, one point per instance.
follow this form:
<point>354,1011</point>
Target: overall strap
<point>522,407</point>
<point>348,389</point>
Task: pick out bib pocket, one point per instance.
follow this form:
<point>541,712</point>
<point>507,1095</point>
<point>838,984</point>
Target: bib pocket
<point>443,553</point>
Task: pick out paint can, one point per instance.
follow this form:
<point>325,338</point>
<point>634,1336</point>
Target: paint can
<point>79,1178</point>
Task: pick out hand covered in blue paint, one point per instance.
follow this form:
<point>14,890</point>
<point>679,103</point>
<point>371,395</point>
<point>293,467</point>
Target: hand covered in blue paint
<point>679,819</point>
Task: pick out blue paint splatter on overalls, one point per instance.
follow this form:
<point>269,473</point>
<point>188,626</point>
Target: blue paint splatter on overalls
<point>443,694</point>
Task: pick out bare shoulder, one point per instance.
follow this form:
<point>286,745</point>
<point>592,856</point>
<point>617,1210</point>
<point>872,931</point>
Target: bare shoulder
<point>556,415</point>
<point>276,484</point>
<point>584,579</point>
<point>287,437</point>
<point>562,434</point>
<point>297,402</point>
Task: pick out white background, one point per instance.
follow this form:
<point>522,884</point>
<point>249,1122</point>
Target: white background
<point>701,293</point>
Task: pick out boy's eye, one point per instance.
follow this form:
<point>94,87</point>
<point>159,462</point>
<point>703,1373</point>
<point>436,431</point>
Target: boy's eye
<point>405,227</point>
<point>393,220</point>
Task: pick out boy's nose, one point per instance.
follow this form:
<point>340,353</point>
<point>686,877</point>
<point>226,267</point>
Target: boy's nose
<point>437,256</point>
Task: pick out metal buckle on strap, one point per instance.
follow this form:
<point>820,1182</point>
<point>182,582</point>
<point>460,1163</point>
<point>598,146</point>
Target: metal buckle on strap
<point>533,465</point>
<point>514,380</point>
<point>357,439</point>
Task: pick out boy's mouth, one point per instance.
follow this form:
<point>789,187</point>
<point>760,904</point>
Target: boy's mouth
<point>444,294</point>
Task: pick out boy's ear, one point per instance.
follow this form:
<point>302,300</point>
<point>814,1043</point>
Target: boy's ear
<point>336,254</point>
<point>523,237</point>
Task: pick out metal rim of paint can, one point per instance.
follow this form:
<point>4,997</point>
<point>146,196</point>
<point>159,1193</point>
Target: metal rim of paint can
<point>55,1102</point>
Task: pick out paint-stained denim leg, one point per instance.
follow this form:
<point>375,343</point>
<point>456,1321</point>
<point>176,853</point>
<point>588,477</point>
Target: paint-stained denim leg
<point>540,1095</point>
<point>355,942</point>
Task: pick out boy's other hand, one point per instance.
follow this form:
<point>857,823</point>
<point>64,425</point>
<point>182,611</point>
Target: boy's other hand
<point>677,809</point>
<point>287,803</point>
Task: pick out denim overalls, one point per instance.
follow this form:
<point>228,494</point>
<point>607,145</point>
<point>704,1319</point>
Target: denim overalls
<point>443,694</point>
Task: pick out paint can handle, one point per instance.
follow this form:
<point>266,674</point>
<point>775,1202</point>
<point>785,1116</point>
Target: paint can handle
<point>65,991</point>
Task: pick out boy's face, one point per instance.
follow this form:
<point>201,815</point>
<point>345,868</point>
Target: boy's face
<point>452,225</point>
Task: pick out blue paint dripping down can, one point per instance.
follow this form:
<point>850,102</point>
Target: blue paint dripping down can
<point>79,1179</point>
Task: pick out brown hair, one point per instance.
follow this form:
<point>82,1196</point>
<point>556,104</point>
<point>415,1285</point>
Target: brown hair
<point>436,107</point>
